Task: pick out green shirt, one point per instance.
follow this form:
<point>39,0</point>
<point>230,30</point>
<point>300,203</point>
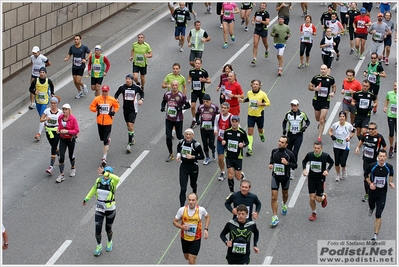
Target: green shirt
<point>139,51</point>
<point>283,31</point>
<point>391,108</point>
<point>180,79</point>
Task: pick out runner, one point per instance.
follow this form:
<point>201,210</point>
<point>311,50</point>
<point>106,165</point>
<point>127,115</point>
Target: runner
<point>205,116</point>
<point>261,21</point>
<point>189,151</point>
<point>139,54</point>
<point>258,100</point>
<point>223,79</point>
<point>228,11</point>
<point>374,73</point>
<point>379,31</point>
<point>363,101</point>
<point>341,132</point>
<point>337,30</point>
<point>298,122</point>
<point>325,18</point>
<point>173,102</point>
<point>129,92</point>
<point>235,140</point>
<point>378,177</point>
<point>282,160</point>
<point>97,68</point>
<point>43,89</point>
<point>317,175</point>
<point>181,15</point>
<point>80,55</point>
<point>246,198</point>
<point>280,32</point>
<point>50,118</point>
<point>327,49</point>
<point>390,108</point>
<point>175,76</point>
<point>373,142</point>
<point>223,121</point>
<point>198,77</point>
<point>388,38</point>
<point>239,242</point>
<point>191,217</point>
<point>232,93</point>
<point>360,24</point>
<point>246,8</point>
<point>5,237</point>
<point>352,13</point>
<point>307,30</point>
<point>350,86</point>
<point>324,88</point>
<point>68,129</point>
<point>196,41</point>
<point>283,10</point>
<point>105,106</point>
<point>38,60</point>
<point>104,188</point>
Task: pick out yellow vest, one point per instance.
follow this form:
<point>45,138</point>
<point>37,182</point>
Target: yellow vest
<point>195,225</point>
<point>43,96</point>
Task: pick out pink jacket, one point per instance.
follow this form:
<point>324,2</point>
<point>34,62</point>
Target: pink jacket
<point>72,126</point>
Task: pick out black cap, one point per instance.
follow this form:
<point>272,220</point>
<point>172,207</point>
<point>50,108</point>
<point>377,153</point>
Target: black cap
<point>206,97</point>
<point>43,69</point>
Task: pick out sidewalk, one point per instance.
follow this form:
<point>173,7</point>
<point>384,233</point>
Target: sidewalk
<point>107,34</point>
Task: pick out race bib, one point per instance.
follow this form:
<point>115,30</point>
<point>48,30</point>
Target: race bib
<point>372,78</point>
<point>278,169</point>
<point>207,125</point>
<point>360,24</point>
<point>77,61</point>
<point>379,182</point>
<point>221,134</point>
<point>100,206</point>
<point>258,18</point>
<point>223,90</point>
<point>368,152</point>
<point>172,112</point>
<point>227,13</point>
<point>129,95</point>
<point>364,103</point>
<point>196,85</point>
<point>104,108</point>
<point>294,127</point>
<point>377,36</point>
<point>36,71</point>
<point>253,104</point>
<point>96,67</point>
<point>139,58</point>
<point>323,92</point>
<point>226,93</point>
<point>315,166</point>
<point>240,248</point>
<point>186,150</point>
<point>393,108</point>
<point>41,96</point>
<point>192,230</point>
<point>232,145</point>
<point>180,18</point>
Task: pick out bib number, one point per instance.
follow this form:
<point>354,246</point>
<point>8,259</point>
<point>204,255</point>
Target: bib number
<point>100,206</point>
<point>278,169</point>
<point>323,92</point>
<point>192,230</point>
<point>315,166</point>
<point>239,248</point>
<point>232,145</point>
<point>77,61</point>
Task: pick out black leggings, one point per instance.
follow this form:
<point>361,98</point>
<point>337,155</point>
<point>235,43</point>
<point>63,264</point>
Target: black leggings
<point>295,140</point>
<point>168,129</point>
<point>327,60</point>
<point>337,40</point>
<point>340,157</point>
<point>377,199</point>
<point>64,144</point>
<point>187,170</point>
<point>392,126</point>
<point>305,46</point>
<point>208,141</point>
<point>99,218</point>
<point>53,141</point>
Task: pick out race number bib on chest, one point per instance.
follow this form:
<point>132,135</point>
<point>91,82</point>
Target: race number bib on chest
<point>240,248</point>
<point>139,58</point>
<point>372,78</point>
<point>196,85</point>
<point>186,150</point>
<point>172,112</point>
<point>253,104</point>
<point>232,145</point>
<point>323,92</point>
<point>207,125</point>
<point>278,169</point>
<point>315,166</point>
<point>77,61</point>
<point>368,152</point>
<point>192,230</point>
<point>129,95</point>
<point>104,109</point>
<point>364,103</point>
<point>393,108</point>
<point>100,206</point>
<point>379,182</point>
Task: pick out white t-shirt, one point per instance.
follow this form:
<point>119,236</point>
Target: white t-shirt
<point>202,212</point>
<point>341,133</point>
<point>37,63</point>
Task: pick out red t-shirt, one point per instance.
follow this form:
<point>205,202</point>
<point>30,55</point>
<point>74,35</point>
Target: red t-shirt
<point>360,21</point>
<point>354,86</point>
<point>235,89</point>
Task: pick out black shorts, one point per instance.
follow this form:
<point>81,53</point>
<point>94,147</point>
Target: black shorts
<point>261,32</point>
<point>197,94</point>
<point>228,21</point>
<point>316,186</point>
<point>95,81</point>
<point>388,40</point>
<point>361,121</point>
<point>78,72</point>
<point>374,88</point>
<point>141,70</point>
<point>259,121</point>
<point>368,6</point>
<point>246,7</point>
<point>285,183</point>
<point>234,163</point>
<point>361,36</point>
<point>195,54</point>
<point>104,131</point>
<point>319,105</point>
<point>130,116</point>
<point>191,247</point>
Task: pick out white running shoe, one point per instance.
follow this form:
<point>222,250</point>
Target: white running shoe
<point>85,91</point>
<point>32,105</point>
<point>72,172</point>
<point>60,178</point>
<point>79,95</point>
<point>50,170</point>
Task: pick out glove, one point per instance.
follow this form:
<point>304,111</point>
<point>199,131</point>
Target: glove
<point>286,37</point>
<point>333,137</point>
<point>162,109</point>
<point>178,109</point>
<point>284,132</point>
<point>98,108</point>
<point>111,113</point>
<point>276,35</point>
<point>304,128</point>
<point>198,122</point>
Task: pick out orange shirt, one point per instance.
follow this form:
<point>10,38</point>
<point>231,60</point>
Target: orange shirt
<point>105,104</point>
<point>354,86</point>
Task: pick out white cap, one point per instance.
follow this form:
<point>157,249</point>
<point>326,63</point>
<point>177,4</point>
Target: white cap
<point>97,47</point>
<point>295,102</point>
<point>66,106</point>
<point>35,49</point>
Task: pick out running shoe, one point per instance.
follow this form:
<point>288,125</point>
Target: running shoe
<point>246,29</point>
<point>344,173</point>
<point>262,137</point>
<point>37,136</point>
<point>266,54</point>
<point>279,73</point>
<point>337,178</point>
<point>181,49</point>
<point>170,158</point>
<point>32,105</point>
<point>370,212</point>
<point>274,221</point>
<point>352,51</point>
<point>109,246</point>
<point>307,64</point>
<point>374,238</point>
<point>357,54</point>
<point>129,148</point>
<point>386,61</point>
<point>97,251</point>
<point>213,155</point>
<point>242,22</point>
<point>365,198</point>
<point>172,19</point>
<point>195,16</point>
<point>243,176</point>
<point>79,95</point>
<point>221,26</point>
<point>229,195</point>
<point>50,170</point>
<point>225,45</point>
<point>222,176</point>
<point>292,174</point>
<point>253,62</point>
<point>104,162</point>
<point>313,216</point>
<point>85,91</point>
<point>301,66</point>
<point>361,57</point>
<point>72,173</point>
<point>249,152</point>
<point>375,110</point>
<point>233,38</point>
<point>193,124</point>
<point>337,58</point>
<point>390,152</point>
<point>210,10</point>
<point>324,202</point>
<point>206,161</point>
<point>284,209</point>
<point>60,178</point>
<point>319,139</point>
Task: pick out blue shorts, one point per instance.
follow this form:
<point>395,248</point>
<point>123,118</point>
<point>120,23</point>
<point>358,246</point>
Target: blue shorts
<point>219,147</point>
<point>180,31</point>
<point>40,108</point>
<point>259,121</point>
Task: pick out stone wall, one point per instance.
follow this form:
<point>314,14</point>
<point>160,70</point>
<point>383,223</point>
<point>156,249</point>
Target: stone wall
<point>46,25</point>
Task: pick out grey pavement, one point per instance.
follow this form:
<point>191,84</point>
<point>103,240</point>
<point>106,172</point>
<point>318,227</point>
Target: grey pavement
<point>107,34</point>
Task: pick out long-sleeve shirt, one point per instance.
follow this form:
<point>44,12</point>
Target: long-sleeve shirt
<point>71,125</point>
<point>317,165</point>
<point>190,148</point>
<point>281,170</point>
<point>248,200</point>
<point>129,96</point>
<point>103,106</point>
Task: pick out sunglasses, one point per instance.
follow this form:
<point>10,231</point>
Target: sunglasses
<point>373,58</point>
<point>372,129</point>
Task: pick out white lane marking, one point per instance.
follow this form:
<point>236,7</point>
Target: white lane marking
<point>91,212</point>
<point>59,252</point>
<point>298,189</point>
<point>331,117</point>
<point>268,260</point>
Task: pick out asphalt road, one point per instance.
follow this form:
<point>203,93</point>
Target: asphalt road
<point>47,223</point>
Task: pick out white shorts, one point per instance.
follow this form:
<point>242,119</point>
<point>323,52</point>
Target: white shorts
<point>280,51</point>
<point>376,47</point>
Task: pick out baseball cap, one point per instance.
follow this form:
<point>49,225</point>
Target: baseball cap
<point>206,97</point>
<point>66,106</point>
<point>295,102</point>
<point>35,49</point>
<point>235,117</point>
<point>105,88</point>
<point>380,15</point>
<point>363,10</point>
<point>97,47</point>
